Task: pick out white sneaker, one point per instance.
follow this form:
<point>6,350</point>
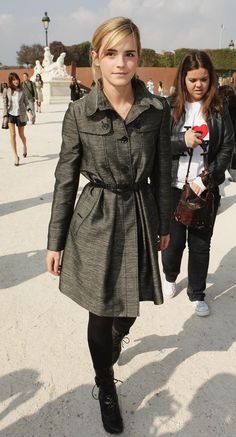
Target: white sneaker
<point>169,289</point>
<point>201,308</point>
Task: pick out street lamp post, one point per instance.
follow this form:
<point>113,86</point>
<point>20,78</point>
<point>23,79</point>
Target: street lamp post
<point>46,21</point>
<point>231,47</point>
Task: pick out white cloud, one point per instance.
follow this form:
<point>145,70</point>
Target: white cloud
<point>123,7</point>
<point>84,16</point>
<point>5,19</point>
<point>163,24</point>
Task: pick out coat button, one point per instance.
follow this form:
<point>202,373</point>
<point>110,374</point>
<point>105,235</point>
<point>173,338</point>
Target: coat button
<point>105,125</point>
<point>124,139</point>
<point>126,196</point>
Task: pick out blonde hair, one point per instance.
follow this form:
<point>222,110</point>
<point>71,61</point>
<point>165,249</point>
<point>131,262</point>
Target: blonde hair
<point>117,28</point>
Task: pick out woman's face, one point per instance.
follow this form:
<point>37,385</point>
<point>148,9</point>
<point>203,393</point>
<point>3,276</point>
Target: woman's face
<point>197,84</point>
<point>16,82</point>
<point>118,64</point>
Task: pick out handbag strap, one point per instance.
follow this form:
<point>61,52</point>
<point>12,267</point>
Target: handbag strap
<point>205,155</point>
<point>205,160</point>
<point>190,151</point>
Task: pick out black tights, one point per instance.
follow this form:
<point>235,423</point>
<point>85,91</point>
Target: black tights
<point>100,337</point>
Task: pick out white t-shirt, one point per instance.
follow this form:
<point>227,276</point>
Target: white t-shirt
<point>14,109</point>
<point>194,120</point>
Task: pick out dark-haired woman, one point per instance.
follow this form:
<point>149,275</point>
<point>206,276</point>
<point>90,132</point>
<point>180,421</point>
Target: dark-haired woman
<point>197,115</point>
<point>75,90</point>
<point>3,86</point>
<point>39,86</point>
<point>15,105</point>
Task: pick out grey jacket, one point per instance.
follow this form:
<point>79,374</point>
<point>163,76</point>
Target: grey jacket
<point>23,103</point>
<point>110,260</point>
<point>30,90</point>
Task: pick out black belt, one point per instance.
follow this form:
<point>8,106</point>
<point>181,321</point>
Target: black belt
<point>120,188</point>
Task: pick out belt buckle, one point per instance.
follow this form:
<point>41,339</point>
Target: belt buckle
<point>118,190</point>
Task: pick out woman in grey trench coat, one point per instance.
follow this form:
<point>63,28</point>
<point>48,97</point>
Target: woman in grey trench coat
<point>118,138</point>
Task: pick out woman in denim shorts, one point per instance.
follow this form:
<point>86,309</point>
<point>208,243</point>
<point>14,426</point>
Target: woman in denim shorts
<point>15,105</point>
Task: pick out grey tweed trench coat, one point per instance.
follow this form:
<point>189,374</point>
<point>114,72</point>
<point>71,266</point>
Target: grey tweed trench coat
<point>110,238</point>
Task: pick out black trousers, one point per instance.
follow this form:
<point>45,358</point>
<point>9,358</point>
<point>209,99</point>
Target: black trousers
<point>100,338</point>
<point>199,252</point>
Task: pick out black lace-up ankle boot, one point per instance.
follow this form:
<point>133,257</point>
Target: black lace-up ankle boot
<point>110,410</point>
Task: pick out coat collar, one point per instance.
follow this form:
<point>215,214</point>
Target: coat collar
<point>96,100</point>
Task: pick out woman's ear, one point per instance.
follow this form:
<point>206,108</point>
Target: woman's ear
<point>95,58</point>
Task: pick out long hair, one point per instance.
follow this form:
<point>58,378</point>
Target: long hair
<point>193,61</point>
<point>38,78</point>
<point>12,76</point>
<point>117,28</point>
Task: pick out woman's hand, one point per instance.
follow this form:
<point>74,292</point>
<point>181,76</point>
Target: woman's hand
<point>192,139</point>
<point>52,261</point>
<point>164,241</point>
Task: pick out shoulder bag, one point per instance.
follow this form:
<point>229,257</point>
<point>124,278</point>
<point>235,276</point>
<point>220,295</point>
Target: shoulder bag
<point>5,122</point>
<point>196,211</point>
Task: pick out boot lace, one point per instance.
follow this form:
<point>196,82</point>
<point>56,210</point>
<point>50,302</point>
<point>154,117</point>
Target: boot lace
<point>108,397</point>
<point>117,339</point>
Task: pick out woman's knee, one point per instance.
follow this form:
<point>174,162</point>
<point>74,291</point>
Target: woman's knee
<point>22,137</point>
<point>13,135</point>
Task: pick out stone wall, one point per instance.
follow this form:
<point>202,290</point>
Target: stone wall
<point>166,75</point>
<point>84,74</point>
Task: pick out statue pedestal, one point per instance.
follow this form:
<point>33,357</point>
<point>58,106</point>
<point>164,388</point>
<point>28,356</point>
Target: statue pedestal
<point>56,91</point>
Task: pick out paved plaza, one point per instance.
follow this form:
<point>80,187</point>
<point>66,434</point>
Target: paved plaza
<point>178,370</point>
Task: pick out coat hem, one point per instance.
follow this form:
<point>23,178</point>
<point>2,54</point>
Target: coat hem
<point>104,313</point>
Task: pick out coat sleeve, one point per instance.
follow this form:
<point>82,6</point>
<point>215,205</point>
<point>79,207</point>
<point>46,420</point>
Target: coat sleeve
<point>67,180</point>
<point>222,159</point>
<point>25,100</point>
<point>161,175</point>
<point>178,145</point>
<point>35,93</point>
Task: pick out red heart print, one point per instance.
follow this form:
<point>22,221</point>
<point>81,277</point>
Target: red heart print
<point>203,128</point>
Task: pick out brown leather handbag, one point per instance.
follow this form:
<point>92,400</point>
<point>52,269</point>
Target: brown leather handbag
<point>196,211</point>
<point>5,122</point>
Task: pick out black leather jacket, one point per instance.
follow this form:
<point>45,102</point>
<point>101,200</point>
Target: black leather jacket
<point>221,144</point>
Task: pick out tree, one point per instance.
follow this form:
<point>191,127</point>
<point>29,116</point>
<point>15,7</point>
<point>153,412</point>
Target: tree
<point>72,55</point>
<point>179,54</point>
<point>149,58</point>
<point>27,55</point>
<point>56,48</point>
<point>166,59</point>
<point>84,54</point>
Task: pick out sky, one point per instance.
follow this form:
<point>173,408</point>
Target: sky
<point>163,24</point>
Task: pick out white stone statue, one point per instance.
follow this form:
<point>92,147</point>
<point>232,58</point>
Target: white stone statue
<point>48,57</point>
<point>150,86</point>
<point>53,70</point>
<point>38,69</point>
<point>60,71</point>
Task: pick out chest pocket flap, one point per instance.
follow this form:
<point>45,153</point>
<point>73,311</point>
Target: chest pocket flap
<point>95,125</point>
